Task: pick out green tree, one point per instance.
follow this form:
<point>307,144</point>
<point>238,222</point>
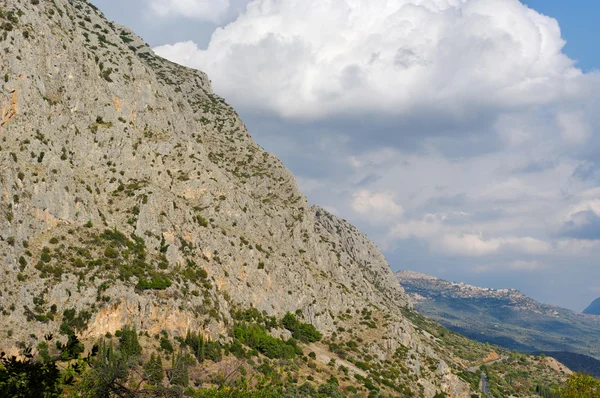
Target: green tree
<point>108,374</point>
<point>31,376</point>
<point>203,348</point>
<point>154,370</point>
<point>179,375</point>
<point>130,346</point>
<point>28,377</point>
<point>581,386</point>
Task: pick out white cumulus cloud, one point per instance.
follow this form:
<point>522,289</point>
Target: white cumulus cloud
<point>315,58</point>
<point>376,206</point>
<point>476,245</point>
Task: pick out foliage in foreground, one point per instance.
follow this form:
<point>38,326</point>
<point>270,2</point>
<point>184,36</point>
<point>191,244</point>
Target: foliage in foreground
<point>38,377</point>
<point>115,368</point>
<point>581,386</point>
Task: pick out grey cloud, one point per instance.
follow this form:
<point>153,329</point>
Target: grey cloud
<point>370,179</point>
<point>584,225</point>
<point>447,201</point>
<point>587,171</point>
<point>537,166</point>
<point>407,57</point>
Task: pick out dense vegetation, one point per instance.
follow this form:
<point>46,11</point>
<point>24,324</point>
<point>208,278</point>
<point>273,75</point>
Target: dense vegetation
<point>119,366</point>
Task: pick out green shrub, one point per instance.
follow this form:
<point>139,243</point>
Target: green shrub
<point>46,257</point>
<point>111,252</point>
<point>158,282</point>
<point>237,349</point>
<point>330,390</point>
<point>166,345</point>
<point>72,349</point>
<point>106,75</point>
<point>72,322</point>
<point>302,331</point>
<point>255,336</point>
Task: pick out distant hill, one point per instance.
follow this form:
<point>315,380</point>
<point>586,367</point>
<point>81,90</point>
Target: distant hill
<point>594,308</point>
<point>506,317</point>
<point>576,362</point>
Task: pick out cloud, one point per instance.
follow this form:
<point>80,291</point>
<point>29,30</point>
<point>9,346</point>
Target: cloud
<point>469,245</point>
<point>427,228</point>
<point>574,129</point>
<point>526,265</point>
<point>516,265</point>
<point>583,221</point>
<point>317,59</point>
<point>376,206</point>
<point>476,245</point>
<point>204,10</point>
<point>456,134</point>
<point>452,239</point>
<point>578,246</point>
<point>586,170</point>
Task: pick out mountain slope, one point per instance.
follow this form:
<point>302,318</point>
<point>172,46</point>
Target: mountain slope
<point>505,317</point>
<point>593,308</point>
<point>149,149</point>
<point>132,196</point>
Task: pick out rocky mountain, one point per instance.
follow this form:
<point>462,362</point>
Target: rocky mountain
<point>133,198</point>
<point>505,317</point>
<point>593,308</point>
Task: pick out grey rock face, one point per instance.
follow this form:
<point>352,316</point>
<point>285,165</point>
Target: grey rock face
<point>98,133</point>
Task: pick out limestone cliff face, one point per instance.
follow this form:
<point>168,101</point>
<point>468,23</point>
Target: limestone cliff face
<point>99,134</point>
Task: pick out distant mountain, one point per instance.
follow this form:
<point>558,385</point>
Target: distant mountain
<point>505,317</point>
<point>594,308</point>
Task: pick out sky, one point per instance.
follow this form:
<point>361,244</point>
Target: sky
<point>461,135</point>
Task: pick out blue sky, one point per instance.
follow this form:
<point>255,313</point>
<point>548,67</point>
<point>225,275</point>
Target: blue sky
<point>579,24</point>
<point>462,137</point>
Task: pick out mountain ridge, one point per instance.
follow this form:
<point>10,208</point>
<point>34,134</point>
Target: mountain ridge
<point>505,317</point>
